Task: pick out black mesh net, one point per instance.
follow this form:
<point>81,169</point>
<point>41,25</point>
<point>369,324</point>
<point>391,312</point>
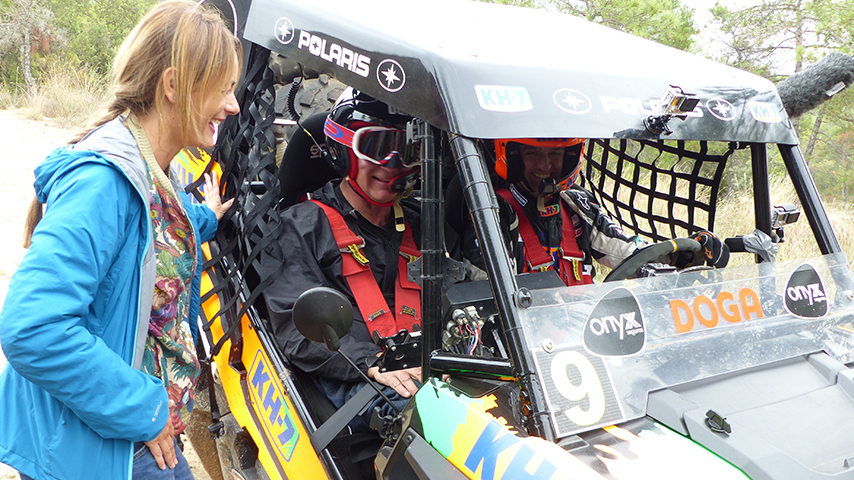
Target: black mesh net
<point>246,151</point>
<point>657,189</point>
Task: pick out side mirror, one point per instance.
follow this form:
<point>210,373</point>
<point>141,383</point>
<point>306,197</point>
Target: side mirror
<point>323,315</point>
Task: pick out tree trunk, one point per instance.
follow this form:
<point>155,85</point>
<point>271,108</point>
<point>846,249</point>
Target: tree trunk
<point>26,64</point>
<point>814,135</point>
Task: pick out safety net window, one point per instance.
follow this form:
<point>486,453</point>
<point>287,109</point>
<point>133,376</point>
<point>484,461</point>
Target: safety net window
<point>246,151</point>
<point>658,189</point>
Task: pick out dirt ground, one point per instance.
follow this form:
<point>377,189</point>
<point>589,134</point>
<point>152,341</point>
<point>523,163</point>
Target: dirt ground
<point>25,143</point>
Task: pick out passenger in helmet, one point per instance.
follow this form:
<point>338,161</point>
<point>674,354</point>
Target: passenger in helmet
<point>560,224</point>
<point>356,235</point>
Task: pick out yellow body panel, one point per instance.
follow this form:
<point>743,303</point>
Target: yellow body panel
<point>283,443</point>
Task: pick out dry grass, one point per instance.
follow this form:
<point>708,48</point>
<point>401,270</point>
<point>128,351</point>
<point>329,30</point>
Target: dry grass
<point>735,216</point>
<point>69,97</point>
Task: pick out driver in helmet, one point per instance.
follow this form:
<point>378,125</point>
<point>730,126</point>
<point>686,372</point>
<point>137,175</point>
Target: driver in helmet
<point>356,235</point>
<point>560,225</point>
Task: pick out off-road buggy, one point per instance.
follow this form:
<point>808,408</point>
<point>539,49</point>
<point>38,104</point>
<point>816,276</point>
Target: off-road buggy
<point>729,373</point>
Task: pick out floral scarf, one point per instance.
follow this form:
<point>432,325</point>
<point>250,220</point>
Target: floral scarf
<point>169,348</point>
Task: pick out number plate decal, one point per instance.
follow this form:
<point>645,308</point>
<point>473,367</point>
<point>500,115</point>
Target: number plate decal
<point>578,389</point>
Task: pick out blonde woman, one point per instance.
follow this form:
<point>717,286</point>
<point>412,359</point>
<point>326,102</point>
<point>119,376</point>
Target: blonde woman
<point>97,321</point>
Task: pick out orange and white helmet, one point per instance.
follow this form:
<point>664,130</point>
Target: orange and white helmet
<point>509,166</point>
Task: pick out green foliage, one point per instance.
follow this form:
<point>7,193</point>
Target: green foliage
<point>830,160</point>
<point>664,21</point>
<point>770,37</point>
<point>96,28</point>
<point>668,22</point>
<point>778,37</point>
<point>517,3</point>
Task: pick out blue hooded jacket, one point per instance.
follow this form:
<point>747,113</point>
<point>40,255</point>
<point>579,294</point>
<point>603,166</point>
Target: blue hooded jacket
<point>76,315</point>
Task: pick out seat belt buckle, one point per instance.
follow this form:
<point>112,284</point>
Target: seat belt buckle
<point>541,268</point>
<point>356,251</point>
<point>577,263</point>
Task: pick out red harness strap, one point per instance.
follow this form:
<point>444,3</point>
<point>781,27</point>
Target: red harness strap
<point>539,259</point>
<point>407,295</point>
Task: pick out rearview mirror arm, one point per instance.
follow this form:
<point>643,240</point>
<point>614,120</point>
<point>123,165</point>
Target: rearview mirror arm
<point>369,382</point>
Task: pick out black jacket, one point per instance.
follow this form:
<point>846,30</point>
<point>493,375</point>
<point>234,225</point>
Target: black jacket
<point>312,259</point>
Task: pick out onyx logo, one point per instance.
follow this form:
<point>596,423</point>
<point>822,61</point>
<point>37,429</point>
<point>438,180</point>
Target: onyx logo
<point>805,295</point>
<point>615,327</point>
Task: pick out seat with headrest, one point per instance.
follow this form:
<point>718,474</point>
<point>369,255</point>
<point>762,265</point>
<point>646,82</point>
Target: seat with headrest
<point>304,168</point>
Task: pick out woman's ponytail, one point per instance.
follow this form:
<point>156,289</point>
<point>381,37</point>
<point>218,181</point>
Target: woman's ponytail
<point>34,215</point>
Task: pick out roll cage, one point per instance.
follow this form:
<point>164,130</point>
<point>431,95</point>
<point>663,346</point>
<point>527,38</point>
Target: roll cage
<point>472,81</point>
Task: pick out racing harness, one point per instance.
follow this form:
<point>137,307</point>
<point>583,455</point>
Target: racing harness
<point>378,316</point>
<point>570,257</point>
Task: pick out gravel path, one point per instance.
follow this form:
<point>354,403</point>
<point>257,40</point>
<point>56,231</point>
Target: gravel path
<point>25,144</point>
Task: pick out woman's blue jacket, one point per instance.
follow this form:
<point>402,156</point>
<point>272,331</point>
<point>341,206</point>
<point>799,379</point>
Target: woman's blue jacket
<point>74,322</point>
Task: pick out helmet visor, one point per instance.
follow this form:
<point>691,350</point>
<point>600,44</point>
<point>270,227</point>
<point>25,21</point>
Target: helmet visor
<point>381,144</point>
<point>385,146</point>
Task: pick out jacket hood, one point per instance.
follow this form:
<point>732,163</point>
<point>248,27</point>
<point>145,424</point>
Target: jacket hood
<point>110,144</point>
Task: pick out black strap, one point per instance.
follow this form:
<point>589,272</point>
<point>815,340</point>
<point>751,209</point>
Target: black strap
<point>246,151</point>
<point>338,421</point>
<point>216,426</point>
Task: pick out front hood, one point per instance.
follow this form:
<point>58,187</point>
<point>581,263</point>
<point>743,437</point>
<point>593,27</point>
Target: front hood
<point>482,446</point>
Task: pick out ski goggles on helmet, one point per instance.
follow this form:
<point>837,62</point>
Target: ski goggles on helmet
<point>384,146</point>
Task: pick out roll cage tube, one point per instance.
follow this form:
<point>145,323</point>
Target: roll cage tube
<point>483,206</point>
<point>761,189</point>
<point>807,192</point>
<point>432,246</point>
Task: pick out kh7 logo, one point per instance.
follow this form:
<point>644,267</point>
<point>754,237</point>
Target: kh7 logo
<point>270,404</point>
<point>499,98</point>
<point>708,312</point>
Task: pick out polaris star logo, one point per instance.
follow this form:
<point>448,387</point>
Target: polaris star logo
<point>334,53</point>
<point>805,295</point>
<point>720,109</point>
<point>391,75</point>
<point>572,101</point>
<point>615,326</point>
<point>498,98</point>
<point>764,112</point>
<point>284,30</point>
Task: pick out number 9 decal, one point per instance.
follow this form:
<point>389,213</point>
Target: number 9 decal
<point>589,386</point>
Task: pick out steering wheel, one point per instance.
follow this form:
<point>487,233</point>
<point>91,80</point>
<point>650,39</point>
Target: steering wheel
<point>652,253</point>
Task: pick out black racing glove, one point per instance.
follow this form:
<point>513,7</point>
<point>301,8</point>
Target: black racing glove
<point>715,253</point>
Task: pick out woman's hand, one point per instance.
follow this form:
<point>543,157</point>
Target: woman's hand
<point>212,198</point>
<point>400,380</point>
<point>163,447</point>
